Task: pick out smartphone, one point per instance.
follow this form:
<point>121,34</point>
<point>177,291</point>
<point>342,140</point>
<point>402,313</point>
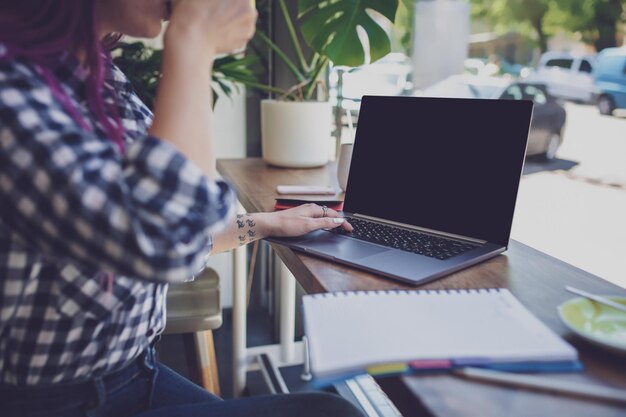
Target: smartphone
<point>306,189</point>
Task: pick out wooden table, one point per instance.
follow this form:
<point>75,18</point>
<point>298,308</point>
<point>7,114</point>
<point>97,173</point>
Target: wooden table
<point>535,278</point>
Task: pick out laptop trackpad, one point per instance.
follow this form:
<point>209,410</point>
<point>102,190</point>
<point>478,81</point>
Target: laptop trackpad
<point>342,247</point>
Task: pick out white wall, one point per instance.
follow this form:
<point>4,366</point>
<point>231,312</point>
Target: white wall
<point>230,125</point>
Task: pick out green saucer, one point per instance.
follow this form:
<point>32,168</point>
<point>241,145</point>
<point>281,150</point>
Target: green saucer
<point>599,324</point>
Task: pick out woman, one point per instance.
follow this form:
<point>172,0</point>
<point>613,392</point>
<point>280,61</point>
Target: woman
<point>103,204</point>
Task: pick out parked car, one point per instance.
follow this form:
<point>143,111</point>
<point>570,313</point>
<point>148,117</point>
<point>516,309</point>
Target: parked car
<point>610,80</point>
<point>389,76</point>
<point>494,66</point>
<point>474,66</point>
<point>548,119</point>
<point>566,75</point>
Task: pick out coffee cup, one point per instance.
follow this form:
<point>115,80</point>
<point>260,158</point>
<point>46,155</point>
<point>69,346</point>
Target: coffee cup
<point>343,164</point>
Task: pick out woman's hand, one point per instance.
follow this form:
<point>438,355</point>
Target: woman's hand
<point>223,26</point>
<point>198,30</point>
<point>247,228</point>
<point>300,220</point>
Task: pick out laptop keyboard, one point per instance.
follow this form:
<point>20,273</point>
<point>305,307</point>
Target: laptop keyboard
<point>407,240</point>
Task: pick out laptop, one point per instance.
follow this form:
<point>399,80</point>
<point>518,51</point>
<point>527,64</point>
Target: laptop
<point>431,188</point>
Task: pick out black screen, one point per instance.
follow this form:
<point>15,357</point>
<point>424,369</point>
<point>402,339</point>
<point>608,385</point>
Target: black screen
<point>445,164</point>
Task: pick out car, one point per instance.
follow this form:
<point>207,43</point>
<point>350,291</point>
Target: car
<point>389,76</point>
<point>566,75</point>
<point>474,66</point>
<point>609,77</point>
<point>494,65</point>
<point>546,130</point>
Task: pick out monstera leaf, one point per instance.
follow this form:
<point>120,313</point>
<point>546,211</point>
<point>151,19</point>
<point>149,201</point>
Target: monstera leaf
<point>330,28</point>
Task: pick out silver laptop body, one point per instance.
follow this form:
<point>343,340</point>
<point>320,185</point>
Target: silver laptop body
<point>436,178</point>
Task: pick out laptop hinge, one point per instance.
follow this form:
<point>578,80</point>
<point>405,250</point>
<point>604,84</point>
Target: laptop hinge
<point>416,228</point>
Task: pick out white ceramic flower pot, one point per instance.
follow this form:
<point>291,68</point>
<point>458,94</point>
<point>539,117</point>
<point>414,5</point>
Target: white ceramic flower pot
<point>296,134</point>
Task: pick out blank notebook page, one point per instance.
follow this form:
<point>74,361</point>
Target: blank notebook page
<point>356,329</point>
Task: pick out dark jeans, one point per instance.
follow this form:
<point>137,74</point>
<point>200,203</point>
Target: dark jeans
<point>147,388</point>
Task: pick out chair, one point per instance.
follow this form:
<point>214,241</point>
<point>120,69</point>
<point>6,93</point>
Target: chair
<point>194,310</point>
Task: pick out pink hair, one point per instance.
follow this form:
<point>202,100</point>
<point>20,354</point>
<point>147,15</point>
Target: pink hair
<point>44,31</point>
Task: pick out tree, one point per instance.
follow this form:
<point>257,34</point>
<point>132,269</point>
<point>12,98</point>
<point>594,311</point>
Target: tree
<point>596,20</point>
<point>527,16</point>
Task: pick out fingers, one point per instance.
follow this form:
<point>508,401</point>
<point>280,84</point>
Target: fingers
<point>325,218</point>
<point>307,210</point>
<point>310,217</point>
<point>324,223</point>
<point>227,25</point>
<point>336,219</point>
<point>316,210</point>
<point>331,223</point>
<point>247,18</point>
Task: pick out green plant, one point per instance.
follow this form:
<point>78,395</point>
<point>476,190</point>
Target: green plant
<point>142,66</point>
<point>329,28</point>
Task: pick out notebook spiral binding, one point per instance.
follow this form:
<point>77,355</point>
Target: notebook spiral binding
<point>407,292</point>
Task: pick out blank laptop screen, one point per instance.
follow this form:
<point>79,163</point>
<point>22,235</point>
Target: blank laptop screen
<point>445,164</point>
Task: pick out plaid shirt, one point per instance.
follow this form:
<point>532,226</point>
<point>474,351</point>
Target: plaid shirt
<point>73,211</point>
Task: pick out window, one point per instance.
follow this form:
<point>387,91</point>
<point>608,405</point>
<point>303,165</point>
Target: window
<point>560,63</point>
<point>585,66</point>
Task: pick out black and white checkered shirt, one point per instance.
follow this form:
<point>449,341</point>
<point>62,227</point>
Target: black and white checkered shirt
<point>74,210</point>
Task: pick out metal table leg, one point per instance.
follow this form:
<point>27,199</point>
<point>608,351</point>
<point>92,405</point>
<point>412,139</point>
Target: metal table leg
<point>239,320</point>
<point>287,313</point>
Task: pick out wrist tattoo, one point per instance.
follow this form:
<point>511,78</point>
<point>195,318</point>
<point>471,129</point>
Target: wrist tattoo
<point>246,236</point>
<point>240,223</point>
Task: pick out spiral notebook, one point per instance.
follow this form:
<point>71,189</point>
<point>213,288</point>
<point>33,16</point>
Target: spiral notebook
<point>406,331</point>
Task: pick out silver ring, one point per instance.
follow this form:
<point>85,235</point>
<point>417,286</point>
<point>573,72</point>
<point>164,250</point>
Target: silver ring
<point>325,209</point>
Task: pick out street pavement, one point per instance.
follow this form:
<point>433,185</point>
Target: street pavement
<point>574,208</point>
